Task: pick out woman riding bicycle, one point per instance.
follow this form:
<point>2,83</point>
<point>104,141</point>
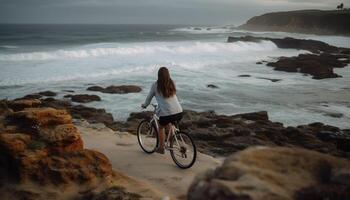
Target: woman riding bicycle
<point>169,109</point>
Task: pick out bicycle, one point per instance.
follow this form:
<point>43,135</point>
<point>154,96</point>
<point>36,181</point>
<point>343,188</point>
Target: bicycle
<point>179,143</point>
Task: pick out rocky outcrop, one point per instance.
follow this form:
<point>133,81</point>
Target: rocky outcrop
<point>222,135</point>
<point>319,65</point>
<point>48,93</point>
<point>84,98</point>
<point>292,43</point>
<point>302,21</point>
<point>41,147</point>
<point>277,174</point>
<point>122,89</point>
<point>92,115</point>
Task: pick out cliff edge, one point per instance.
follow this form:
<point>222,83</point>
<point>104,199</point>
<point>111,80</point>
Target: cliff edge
<point>329,22</point>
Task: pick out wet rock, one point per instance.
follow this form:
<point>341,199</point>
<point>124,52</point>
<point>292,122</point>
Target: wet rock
<point>18,105</point>
<point>335,115</point>
<point>70,91</point>
<point>48,93</point>
<point>212,86</point>
<point>291,43</point>
<point>122,89</point>
<point>272,173</point>
<point>31,96</point>
<point>197,29</point>
<point>221,135</point>
<point>92,115</point>
<point>270,79</point>
<point>84,98</point>
<point>244,75</point>
<point>95,88</point>
<point>319,66</point>
<point>113,193</point>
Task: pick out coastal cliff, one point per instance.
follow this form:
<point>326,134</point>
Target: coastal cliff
<point>302,21</point>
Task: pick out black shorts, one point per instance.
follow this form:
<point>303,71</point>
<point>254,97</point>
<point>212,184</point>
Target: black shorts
<point>165,120</point>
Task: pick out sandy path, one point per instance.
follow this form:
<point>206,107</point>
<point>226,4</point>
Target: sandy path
<point>157,170</point>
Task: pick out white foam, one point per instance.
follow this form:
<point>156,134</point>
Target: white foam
<point>204,30</point>
<point>141,49</point>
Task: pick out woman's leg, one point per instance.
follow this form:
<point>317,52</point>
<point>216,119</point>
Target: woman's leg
<point>161,137</point>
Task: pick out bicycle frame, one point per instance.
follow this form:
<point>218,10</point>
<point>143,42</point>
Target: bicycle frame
<point>173,130</point>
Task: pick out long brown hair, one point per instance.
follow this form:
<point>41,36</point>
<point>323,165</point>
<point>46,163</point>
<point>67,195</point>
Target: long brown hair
<point>165,86</point>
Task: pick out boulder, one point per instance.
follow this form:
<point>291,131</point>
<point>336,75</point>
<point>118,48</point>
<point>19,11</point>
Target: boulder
<point>31,118</point>
<point>48,93</point>
<point>84,98</point>
<point>23,103</point>
<point>274,173</point>
<point>92,115</point>
<point>78,167</point>
<point>212,86</point>
<point>222,135</point>
<point>62,138</point>
<point>122,89</point>
<point>95,88</point>
<point>319,66</point>
<point>14,143</point>
<point>291,43</point>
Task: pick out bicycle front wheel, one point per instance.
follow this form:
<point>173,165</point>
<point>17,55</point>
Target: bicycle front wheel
<point>183,150</point>
<point>147,136</point>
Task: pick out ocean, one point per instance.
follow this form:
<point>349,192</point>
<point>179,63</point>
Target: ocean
<point>72,57</point>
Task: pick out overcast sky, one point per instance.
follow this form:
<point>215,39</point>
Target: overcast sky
<point>149,11</point>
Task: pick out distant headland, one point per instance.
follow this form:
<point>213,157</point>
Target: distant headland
<point>323,22</point>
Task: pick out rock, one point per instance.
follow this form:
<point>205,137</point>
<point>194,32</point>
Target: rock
<point>270,79</point>
<point>291,43</point>
<point>255,116</point>
<point>44,150</point>
<point>273,173</point>
<point>330,22</point>
<point>79,167</point>
<point>92,115</point>
<point>14,143</point>
<point>70,91</point>
<point>84,98</point>
<point>95,88</point>
<point>221,135</point>
<point>31,118</point>
<point>31,96</point>
<point>212,86</point>
<point>62,138</point>
<point>244,75</point>
<point>259,63</point>
<point>335,115</point>
<point>67,96</point>
<point>17,105</point>
<point>197,29</point>
<point>319,66</point>
<point>113,193</point>
<point>122,89</point>
<point>48,93</point>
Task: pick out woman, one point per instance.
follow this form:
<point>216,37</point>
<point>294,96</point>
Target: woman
<point>169,108</point>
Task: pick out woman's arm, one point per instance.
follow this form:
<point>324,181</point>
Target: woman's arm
<point>150,95</point>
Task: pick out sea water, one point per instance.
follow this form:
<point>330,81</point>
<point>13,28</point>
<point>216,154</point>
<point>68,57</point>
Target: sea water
<point>73,57</point>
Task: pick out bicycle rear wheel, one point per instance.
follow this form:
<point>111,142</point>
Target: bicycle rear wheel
<point>183,150</point>
<point>147,136</point>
